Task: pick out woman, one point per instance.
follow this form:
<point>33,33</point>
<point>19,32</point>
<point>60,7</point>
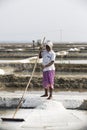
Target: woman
<point>48,56</point>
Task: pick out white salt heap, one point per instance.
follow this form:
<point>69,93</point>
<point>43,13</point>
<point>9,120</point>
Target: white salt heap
<point>2,72</point>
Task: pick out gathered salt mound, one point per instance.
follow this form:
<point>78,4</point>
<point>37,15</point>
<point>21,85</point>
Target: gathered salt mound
<point>33,101</point>
<point>2,72</point>
<point>51,105</point>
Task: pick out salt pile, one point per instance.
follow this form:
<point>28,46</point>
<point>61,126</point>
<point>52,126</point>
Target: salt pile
<point>2,72</point>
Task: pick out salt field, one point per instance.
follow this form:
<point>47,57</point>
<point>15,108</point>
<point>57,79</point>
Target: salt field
<point>43,114</point>
<point>27,28</point>
<point>67,110</point>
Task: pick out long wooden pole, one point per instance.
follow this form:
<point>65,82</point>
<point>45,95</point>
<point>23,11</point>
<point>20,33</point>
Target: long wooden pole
<point>20,102</point>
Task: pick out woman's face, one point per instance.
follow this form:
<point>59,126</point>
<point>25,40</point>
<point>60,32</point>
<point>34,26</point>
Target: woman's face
<point>48,48</point>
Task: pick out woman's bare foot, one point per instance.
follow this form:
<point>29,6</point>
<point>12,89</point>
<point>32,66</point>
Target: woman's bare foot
<point>45,95</point>
<point>50,97</point>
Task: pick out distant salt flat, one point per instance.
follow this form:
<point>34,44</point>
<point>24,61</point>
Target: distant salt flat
<point>28,60</point>
<point>33,59</point>
<point>72,61</point>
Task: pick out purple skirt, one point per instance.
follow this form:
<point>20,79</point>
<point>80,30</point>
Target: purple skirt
<point>48,79</point>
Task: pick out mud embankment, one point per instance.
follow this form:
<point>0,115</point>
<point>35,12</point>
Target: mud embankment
<point>62,82</point>
<point>28,67</point>
<point>21,72</point>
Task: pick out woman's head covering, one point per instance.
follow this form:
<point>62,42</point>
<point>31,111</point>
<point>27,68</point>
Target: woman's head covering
<point>50,44</point>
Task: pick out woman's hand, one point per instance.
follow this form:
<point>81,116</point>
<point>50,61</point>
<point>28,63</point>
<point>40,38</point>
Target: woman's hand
<point>40,48</point>
<point>43,66</point>
<point>49,64</point>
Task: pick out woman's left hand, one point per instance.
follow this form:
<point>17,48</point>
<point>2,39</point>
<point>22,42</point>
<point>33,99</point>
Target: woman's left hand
<point>43,66</point>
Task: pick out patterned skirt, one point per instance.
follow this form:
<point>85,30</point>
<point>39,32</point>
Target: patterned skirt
<point>48,79</point>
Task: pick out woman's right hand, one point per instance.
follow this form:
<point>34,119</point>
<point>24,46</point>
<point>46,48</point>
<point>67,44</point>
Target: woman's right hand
<point>40,48</point>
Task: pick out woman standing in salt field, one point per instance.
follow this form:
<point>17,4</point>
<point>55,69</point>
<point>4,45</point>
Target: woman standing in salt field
<point>48,56</point>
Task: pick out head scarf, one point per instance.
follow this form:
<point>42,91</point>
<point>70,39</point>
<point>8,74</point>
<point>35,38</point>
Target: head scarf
<point>50,44</point>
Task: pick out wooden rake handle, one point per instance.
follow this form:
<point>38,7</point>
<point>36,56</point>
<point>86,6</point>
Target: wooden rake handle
<point>20,102</point>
